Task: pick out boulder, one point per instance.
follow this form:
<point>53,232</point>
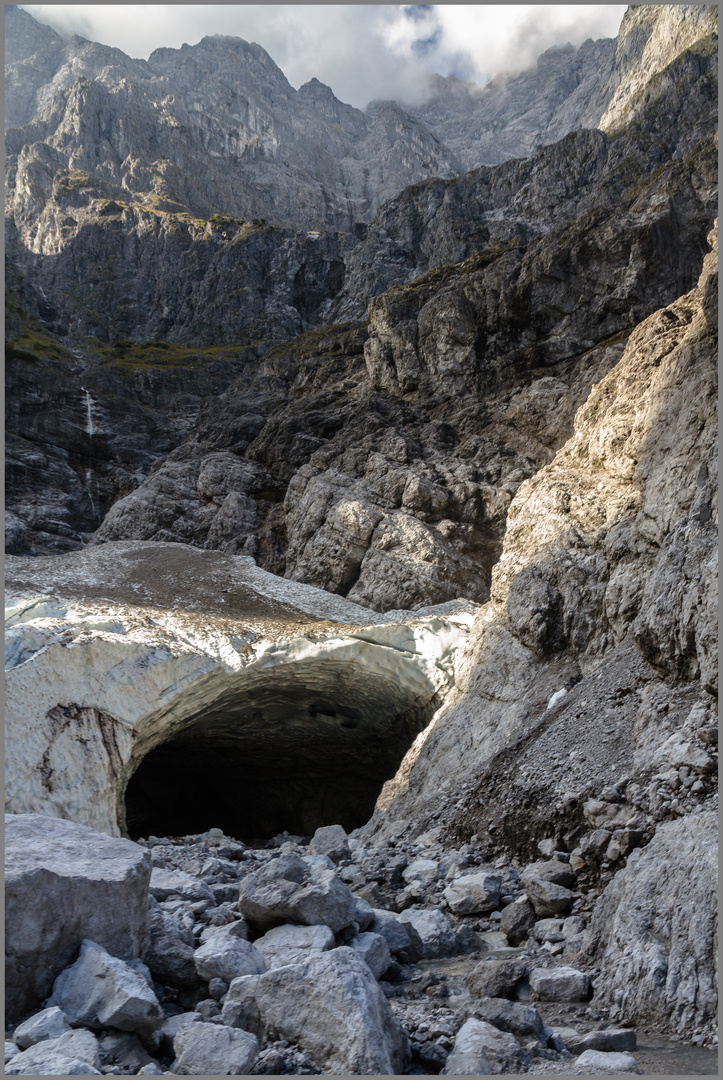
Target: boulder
<point>615,1063</point>
<point>559,984</point>
<point>472,894</point>
<point>363,913</point>
<point>557,872</point>
<point>123,1050</point>
<point>330,840</point>
<point>510,1016</point>
<point>291,944</point>
<point>547,898</point>
<point>165,883</point>
<point>214,1050</point>
<point>403,940</point>
<point>517,918</point>
<point>481,1049</point>
<point>374,950</point>
<point>172,1025</point>
<point>228,955</point>
<point>63,883</point>
<point>170,954</point>
<point>331,1005</point>
<point>294,888</point>
<point>434,929</point>
<point>609,1039</point>
<point>496,978</point>
<point>425,871</point>
<point>48,1024</point>
<point>75,1053</point>
<point>100,990</point>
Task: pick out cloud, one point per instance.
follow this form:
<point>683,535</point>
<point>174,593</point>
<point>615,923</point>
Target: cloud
<point>362,51</point>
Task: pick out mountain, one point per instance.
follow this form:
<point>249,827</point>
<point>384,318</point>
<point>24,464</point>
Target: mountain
<point>255,334</point>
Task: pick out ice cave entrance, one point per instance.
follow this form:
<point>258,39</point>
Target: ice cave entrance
<point>270,761</point>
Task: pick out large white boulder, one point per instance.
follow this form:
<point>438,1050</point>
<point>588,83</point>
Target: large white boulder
<point>75,1053</point>
<point>434,929</point>
<point>331,1005</point>
<point>63,883</point>
<point>481,1049</point>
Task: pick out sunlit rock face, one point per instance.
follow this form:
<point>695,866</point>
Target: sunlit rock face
<point>253,703</point>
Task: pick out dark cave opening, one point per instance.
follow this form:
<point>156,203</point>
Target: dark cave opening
<point>272,764</point>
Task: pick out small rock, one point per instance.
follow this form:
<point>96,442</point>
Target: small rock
<point>403,940</point>
<point>547,898</point>
<point>608,1040</point>
<point>289,944</point>
<point>472,894</point>
<point>214,1050</point>
<point>373,948</point>
<point>228,955</point>
<point>425,871</point>
<point>510,1016</point>
<point>434,929</point>
<point>517,918</point>
<point>559,984</point>
<point>596,1059</point>
<point>48,1024</point>
<point>496,978</point>
<point>330,840</point>
<point>481,1049</point>
<point>165,883</point>
<point>47,1058</point>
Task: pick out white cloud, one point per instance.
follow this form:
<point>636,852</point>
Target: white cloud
<point>361,51</point>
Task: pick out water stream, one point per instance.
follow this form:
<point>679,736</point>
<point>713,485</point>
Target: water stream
<point>90,431</point>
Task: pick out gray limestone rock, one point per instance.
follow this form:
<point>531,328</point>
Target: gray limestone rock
<point>65,882</point>
<point>547,898</point>
<point>165,883</point>
<point>401,936</point>
<point>294,889</point>
<point>481,1049</point>
<point>99,990</point>
<point>559,984</point>
<point>48,1024</point>
<point>513,1016</point>
<point>214,1050</point>
<point>290,944</point>
<point>374,950</point>
<point>76,1053</point>
<point>330,841</point>
<point>653,929</point>
<point>517,919</point>
<point>471,894</point>
<point>611,1062</point>
<point>434,929</point>
<point>170,953</point>
<point>496,978</point>
<point>228,955</point>
<point>331,1005</point>
<point>608,1040</point>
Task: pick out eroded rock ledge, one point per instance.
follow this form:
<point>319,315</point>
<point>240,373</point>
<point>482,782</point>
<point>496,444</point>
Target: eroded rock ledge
<point>254,701</point>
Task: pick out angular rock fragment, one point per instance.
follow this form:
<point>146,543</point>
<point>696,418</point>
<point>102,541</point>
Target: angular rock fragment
<point>290,944</point>
<point>76,1053</point>
<point>547,898</point>
<point>614,1063</point>
<point>401,936</point>
<point>472,894</point>
<point>559,984</point>
<point>434,929</point>
<point>374,950</point>
<point>481,1049</point>
<point>608,1040</point>
<point>517,918</point>
<point>165,883</point>
<point>99,990</point>
<point>214,1050</point>
<point>330,840</point>
<point>331,1005</point>
<point>228,955</point>
<point>496,978</point>
<point>293,888</point>
<point>510,1016</point>
<point>48,1024</point>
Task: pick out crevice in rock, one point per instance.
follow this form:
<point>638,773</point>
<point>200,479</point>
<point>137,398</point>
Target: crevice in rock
<point>271,762</point>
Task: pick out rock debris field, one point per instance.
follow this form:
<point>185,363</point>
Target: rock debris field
<point>211,957</point>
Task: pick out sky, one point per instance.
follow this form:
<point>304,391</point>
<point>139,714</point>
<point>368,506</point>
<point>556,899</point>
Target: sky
<point>363,52</point>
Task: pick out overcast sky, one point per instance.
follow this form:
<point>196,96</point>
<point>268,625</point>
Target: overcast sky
<point>361,51</point>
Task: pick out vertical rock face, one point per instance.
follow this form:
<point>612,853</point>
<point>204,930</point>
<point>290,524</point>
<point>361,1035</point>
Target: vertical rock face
<point>654,928</point>
<point>64,883</point>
